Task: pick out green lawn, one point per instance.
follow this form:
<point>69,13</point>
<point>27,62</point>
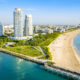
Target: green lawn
<point>26,50</point>
<point>30,47</point>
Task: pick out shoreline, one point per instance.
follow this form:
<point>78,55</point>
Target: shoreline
<point>28,58</point>
<point>58,69</point>
<point>55,69</point>
<point>64,53</point>
<point>61,64</point>
<point>75,53</point>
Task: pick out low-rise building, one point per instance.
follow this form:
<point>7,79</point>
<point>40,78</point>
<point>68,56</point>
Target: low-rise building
<point>8,29</point>
<point>61,30</point>
<point>50,31</point>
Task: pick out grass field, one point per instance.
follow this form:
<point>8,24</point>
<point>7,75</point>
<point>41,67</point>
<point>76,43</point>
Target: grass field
<point>26,50</point>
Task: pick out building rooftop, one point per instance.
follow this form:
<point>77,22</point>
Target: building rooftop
<point>19,9</point>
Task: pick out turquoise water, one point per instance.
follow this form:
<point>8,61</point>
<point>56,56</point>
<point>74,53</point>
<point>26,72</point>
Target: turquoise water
<point>76,43</point>
<point>13,68</point>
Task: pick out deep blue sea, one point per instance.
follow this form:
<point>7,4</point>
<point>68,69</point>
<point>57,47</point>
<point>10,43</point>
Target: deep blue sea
<point>76,44</point>
<point>13,68</point>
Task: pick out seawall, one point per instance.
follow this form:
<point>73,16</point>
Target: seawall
<point>68,74</point>
<point>55,69</point>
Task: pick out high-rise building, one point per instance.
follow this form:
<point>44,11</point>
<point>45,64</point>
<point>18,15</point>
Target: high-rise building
<point>35,29</point>
<point>1,30</point>
<point>18,28</point>
<point>28,28</point>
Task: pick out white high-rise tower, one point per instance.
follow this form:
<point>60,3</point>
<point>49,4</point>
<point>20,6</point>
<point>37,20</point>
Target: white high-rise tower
<point>28,28</point>
<point>1,30</point>
<point>18,28</point>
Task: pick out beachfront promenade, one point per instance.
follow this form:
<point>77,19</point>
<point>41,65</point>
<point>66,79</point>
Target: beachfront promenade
<point>63,52</point>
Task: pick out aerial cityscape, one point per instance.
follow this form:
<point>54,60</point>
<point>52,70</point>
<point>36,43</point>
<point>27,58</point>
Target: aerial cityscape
<point>39,40</point>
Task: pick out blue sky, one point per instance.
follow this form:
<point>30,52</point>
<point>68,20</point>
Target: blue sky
<point>43,11</point>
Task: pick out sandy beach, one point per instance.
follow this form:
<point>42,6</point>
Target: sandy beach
<point>63,52</point>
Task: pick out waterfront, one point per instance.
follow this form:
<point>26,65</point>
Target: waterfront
<point>13,68</point>
<point>64,53</point>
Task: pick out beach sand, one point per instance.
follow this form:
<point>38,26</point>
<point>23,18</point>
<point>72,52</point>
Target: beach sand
<point>63,52</point>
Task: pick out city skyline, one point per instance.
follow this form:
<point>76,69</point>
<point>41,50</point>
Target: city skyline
<point>44,12</point>
<point>21,32</point>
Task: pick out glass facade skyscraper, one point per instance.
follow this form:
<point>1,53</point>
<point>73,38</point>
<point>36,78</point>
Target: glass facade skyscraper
<point>1,30</point>
<point>18,27</point>
<point>28,28</point>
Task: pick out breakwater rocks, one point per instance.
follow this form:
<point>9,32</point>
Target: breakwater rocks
<point>68,74</point>
<point>32,59</point>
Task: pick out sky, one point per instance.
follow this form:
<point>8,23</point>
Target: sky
<point>55,12</point>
